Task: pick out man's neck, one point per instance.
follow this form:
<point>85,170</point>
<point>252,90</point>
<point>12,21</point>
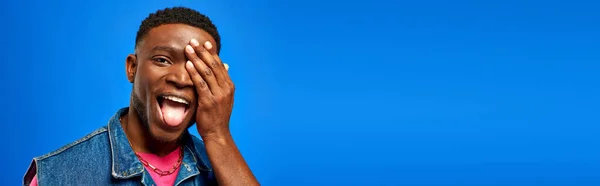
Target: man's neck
<point>140,139</point>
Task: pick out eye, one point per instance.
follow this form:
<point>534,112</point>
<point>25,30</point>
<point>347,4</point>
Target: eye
<point>162,60</point>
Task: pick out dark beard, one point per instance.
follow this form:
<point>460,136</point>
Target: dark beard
<point>141,110</point>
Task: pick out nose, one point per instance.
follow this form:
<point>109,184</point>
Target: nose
<point>179,77</point>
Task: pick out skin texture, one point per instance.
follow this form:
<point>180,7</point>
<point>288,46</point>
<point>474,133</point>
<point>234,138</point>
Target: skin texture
<point>178,59</point>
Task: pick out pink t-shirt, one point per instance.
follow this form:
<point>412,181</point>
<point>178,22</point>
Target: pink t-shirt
<point>164,163</point>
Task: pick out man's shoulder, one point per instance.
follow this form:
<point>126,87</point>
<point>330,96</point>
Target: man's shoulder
<point>91,140</point>
<point>91,147</point>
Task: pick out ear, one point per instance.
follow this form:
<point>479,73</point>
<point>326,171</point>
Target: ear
<point>131,67</point>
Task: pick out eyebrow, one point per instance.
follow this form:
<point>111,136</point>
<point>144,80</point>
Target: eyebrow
<point>163,48</point>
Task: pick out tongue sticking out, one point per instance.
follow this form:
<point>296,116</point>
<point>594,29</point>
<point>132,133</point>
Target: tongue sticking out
<point>173,112</point>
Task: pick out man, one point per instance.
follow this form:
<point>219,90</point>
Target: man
<point>178,79</point>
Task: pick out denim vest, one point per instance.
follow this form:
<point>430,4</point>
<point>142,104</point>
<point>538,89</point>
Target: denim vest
<point>104,157</point>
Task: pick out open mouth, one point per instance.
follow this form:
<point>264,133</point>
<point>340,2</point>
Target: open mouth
<point>173,109</point>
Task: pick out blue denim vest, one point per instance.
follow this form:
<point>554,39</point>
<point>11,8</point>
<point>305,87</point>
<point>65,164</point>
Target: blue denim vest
<point>104,157</point>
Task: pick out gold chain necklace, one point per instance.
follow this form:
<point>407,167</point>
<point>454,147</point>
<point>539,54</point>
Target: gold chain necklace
<point>157,170</point>
<point>161,172</point>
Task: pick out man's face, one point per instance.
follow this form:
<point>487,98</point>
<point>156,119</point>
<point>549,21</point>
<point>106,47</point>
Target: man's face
<point>163,94</point>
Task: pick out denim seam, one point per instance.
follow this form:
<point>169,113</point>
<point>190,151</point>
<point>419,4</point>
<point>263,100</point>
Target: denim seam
<point>112,155</point>
<point>204,164</point>
<point>87,137</point>
<point>192,175</point>
<point>63,148</point>
<point>201,159</point>
<point>114,152</point>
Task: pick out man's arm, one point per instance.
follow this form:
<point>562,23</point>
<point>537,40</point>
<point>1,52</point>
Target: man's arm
<point>227,161</point>
<point>215,103</point>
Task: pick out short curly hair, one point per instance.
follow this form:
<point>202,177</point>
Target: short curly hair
<point>178,15</point>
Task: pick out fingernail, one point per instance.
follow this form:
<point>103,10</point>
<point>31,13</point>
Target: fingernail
<point>189,49</point>
<point>208,45</point>
<point>195,42</point>
<point>226,66</point>
<point>189,64</point>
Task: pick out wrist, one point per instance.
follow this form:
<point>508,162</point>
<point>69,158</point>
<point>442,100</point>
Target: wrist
<point>221,137</point>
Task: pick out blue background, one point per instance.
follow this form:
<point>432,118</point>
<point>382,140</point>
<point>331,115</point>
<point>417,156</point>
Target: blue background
<point>337,92</point>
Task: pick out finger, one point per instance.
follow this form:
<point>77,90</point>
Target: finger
<point>222,68</point>
<point>208,56</point>
<point>206,72</point>
<point>229,82</point>
<point>204,55</point>
<point>201,85</point>
<point>209,46</point>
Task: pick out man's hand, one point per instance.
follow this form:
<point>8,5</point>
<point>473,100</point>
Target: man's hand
<point>214,87</point>
<point>215,102</point>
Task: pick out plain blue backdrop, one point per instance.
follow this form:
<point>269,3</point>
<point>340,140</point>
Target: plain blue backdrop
<point>373,92</point>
